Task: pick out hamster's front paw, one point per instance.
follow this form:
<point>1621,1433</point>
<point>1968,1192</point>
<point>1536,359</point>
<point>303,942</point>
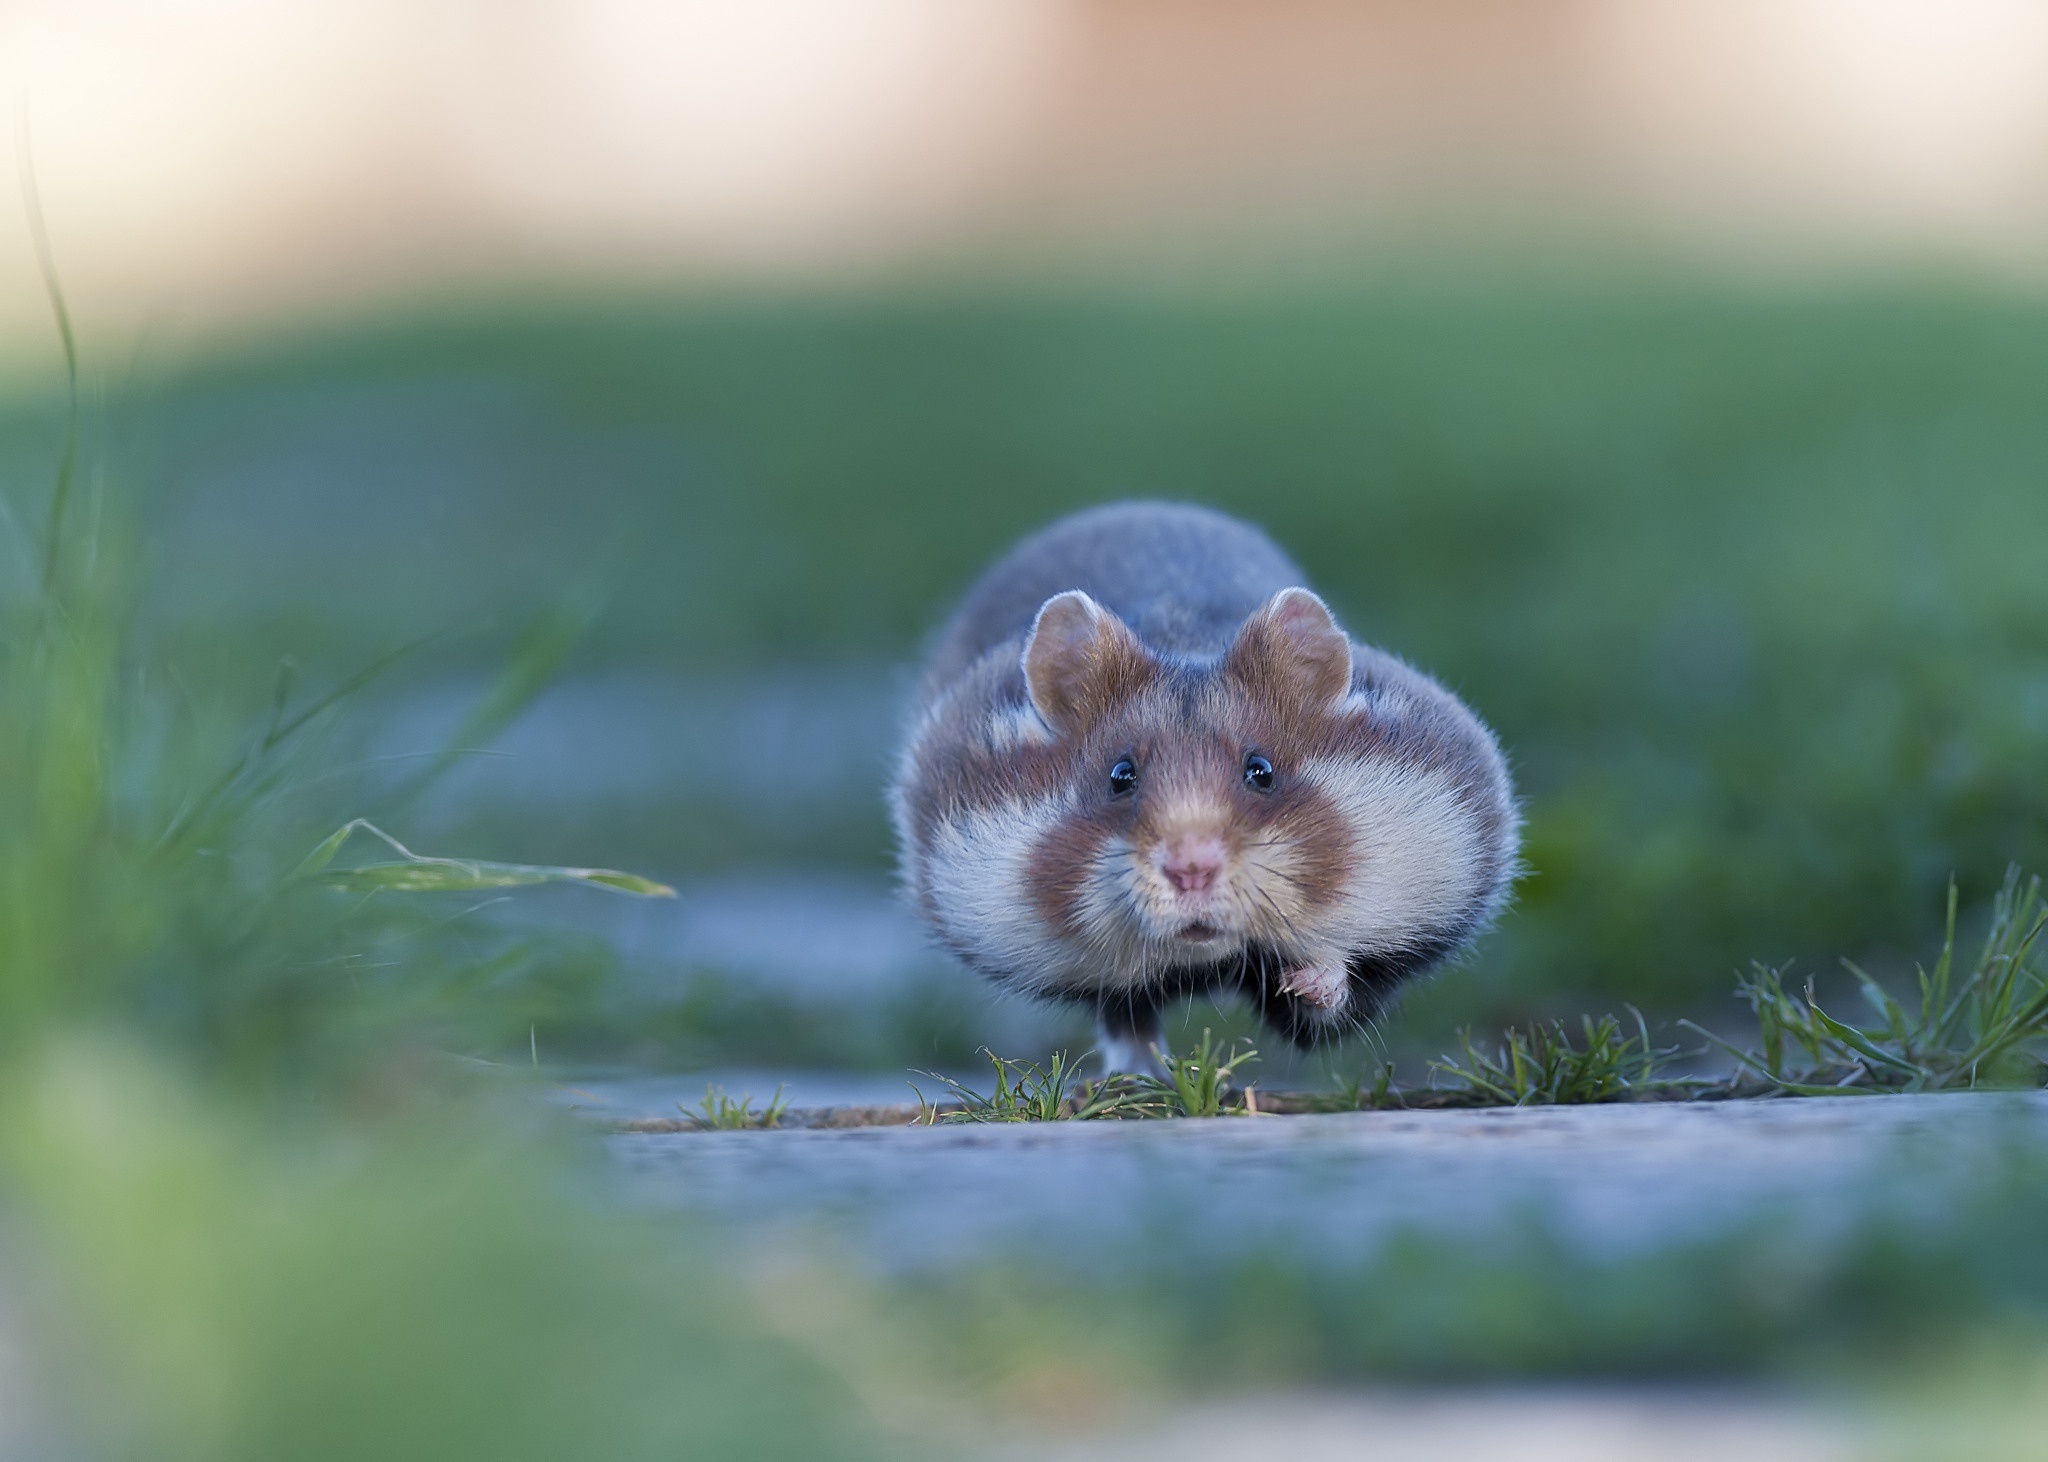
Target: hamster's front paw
<point>1326,986</point>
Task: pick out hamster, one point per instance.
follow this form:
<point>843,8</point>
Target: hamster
<point>1145,762</point>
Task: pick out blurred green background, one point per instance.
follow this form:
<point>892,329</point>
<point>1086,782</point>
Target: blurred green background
<point>631,386</point>
<point>1748,579</point>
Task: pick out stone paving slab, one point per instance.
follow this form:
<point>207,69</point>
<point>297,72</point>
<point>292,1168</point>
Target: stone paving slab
<point>1617,1179</point>
<point>1562,1424</point>
<point>653,1099</point>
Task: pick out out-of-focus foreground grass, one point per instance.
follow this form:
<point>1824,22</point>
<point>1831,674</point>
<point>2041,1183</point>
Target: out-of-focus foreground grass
<point>250,1212</point>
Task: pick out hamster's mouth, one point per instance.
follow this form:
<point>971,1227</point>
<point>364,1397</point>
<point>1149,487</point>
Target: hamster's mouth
<point>1199,933</point>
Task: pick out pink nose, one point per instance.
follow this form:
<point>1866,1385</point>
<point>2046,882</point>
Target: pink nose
<point>1193,864</point>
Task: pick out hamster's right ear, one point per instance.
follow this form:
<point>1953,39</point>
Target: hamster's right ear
<point>1292,651</point>
<point>1080,661</point>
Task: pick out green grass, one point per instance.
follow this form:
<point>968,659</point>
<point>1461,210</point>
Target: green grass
<point>720,1112</point>
<point>255,1208</point>
<point>1542,1066</point>
<point>1981,1026</point>
<point>414,872</point>
<point>1198,1081</point>
<point>1025,1092</point>
<point>214,1281</point>
<point>162,866</point>
<point>1380,1093</point>
<point>1193,1083</point>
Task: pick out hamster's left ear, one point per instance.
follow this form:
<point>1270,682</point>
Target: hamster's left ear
<point>1081,660</point>
<point>1293,648</point>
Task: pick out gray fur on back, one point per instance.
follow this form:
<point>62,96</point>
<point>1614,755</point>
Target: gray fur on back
<point>1184,578</point>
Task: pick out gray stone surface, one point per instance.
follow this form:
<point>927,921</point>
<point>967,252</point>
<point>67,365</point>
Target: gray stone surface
<point>1573,1424</point>
<point>639,1097</point>
<point>1616,1179</point>
<point>637,737</point>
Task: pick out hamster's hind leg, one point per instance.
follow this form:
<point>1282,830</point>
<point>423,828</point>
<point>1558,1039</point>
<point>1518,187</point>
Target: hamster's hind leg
<point>1127,1030</point>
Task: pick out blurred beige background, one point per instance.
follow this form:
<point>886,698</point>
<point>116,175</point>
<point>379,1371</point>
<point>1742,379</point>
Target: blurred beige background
<point>208,163</point>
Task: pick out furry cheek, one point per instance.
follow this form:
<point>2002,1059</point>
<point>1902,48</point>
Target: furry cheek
<point>1081,881</point>
<point>1116,911</point>
<point>1417,863</point>
<point>975,874</point>
<point>1292,868</point>
<point>1275,892</point>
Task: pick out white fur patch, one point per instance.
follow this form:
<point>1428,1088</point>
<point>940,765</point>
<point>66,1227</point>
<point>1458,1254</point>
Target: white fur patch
<point>975,873</point>
<point>1016,726</point>
<point>1417,856</point>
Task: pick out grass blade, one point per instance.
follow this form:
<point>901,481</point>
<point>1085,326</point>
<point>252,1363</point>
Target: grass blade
<point>417,873</point>
<point>67,466</point>
<point>1861,1044</point>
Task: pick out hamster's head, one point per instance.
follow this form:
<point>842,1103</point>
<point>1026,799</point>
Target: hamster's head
<point>1200,824</point>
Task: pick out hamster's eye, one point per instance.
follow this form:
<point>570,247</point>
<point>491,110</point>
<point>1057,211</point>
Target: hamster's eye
<point>1123,777</point>
<point>1258,773</point>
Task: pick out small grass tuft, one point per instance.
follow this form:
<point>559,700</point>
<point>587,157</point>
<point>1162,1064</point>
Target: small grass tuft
<point>1377,1097</point>
<point>1025,1092</point>
<point>1543,1067</point>
<point>1984,1029</point>
<point>1198,1084</point>
<point>721,1113</point>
